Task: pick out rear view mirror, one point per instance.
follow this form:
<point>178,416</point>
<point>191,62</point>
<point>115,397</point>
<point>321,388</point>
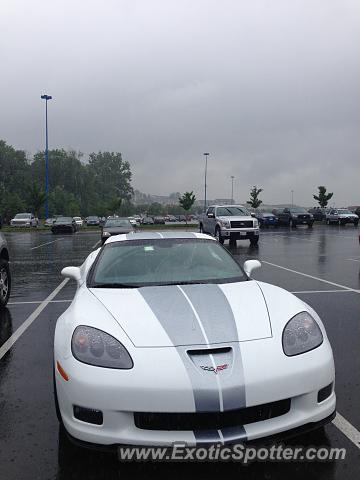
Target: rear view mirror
<point>252,214</point>
<point>72,272</point>
<point>251,265</point>
<point>211,215</point>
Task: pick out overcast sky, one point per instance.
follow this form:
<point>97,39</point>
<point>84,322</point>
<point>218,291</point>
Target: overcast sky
<point>271,88</point>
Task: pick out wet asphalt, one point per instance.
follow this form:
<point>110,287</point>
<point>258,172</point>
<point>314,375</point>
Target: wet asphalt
<point>33,447</point>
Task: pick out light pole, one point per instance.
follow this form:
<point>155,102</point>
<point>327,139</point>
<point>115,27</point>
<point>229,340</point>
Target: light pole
<point>206,160</point>
<point>232,188</point>
<point>292,198</point>
<point>46,98</point>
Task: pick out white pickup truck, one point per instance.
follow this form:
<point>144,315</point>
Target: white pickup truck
<point>232,222</point>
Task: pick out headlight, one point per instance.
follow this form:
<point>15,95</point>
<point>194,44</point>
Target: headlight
<point>106,234</point>
<point>301,334</point>
<point>95,347</point>
<point>225,223</point>
<point>256,223</point>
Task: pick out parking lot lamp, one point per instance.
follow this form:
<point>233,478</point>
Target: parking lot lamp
<point>206,159</point>
<point>232,188</point>
<point>46,98</point>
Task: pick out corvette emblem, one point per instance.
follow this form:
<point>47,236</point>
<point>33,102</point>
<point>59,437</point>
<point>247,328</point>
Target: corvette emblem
<point>216,369</point>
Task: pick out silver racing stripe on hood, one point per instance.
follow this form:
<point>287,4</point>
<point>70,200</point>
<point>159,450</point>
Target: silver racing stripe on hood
<point>196,317</point>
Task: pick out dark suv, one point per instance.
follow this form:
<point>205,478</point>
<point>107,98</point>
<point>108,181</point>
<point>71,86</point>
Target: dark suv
<point>5,277</point>
<point>294,216</point>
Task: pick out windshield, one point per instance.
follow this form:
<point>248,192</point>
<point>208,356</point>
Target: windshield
<point>23,215</point>
<point>298,210</point>
<point>344,210</point>
<point>231,211</point>
<point>64,220</point>
<point>118,222</point>
<point>140,263</point>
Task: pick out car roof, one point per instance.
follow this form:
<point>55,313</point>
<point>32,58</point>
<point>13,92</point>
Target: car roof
<point>158,236</point>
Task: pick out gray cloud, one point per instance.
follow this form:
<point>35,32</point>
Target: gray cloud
<point>269,88</point>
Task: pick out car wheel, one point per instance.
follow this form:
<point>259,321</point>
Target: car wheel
<point>57,409</point>
<point>310,225</point>
<point>218,236</point>
<point>201,229</point>
<point>356,223</point>
<point>5,282</point>
<point>232,242</point>
<point>327,222</point>
<point>292,224</point>
<point>254,241</point>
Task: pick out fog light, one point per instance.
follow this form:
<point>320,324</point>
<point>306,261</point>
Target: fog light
<point>324,393</point>
<point>88,415</point>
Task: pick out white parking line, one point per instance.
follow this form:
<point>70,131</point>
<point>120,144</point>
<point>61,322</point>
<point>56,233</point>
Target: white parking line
<point>48,243</point>
<point>347,429</point>
<point>312,276</point>
<point>24,326</point>
<point>34,302</point>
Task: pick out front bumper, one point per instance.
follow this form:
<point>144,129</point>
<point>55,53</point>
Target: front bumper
<point>119,394</point>
<point>240,233</point>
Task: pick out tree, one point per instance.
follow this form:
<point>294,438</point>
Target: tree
<point>186,201</point>
<point>254,201</point>
<point>36,198</point>
<point>323,197</point>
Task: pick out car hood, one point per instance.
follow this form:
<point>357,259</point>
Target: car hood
<point>347,215</point>
<point>237,218</point>
<point>167,316</point>
<point>117,230</point>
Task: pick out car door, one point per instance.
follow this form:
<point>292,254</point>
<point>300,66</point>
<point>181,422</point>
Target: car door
<point>283,216</point>
<point>209,222</point>
<point>333,216</point>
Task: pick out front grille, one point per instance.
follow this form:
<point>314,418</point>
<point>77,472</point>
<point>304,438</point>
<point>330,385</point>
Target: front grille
<point>210,420</point>
<point>241,224</point>
<point>303,217</point>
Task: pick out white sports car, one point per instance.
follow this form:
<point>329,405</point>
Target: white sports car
<point>168,339</point>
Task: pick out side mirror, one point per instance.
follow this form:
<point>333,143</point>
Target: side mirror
<point>252,214</point>
<point>211,215</point>
<point>72,272</point>
<point>251,265</point>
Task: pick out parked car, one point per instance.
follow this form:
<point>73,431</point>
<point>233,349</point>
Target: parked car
<point>93,220</point>
<point>116,226</point>
<point>134,222</point>
<point>294,216</point>
<point>79,221</point>
<point>49,221</point>
<point>5,275</point>
<point>341,216</point>
<point>159,220</point>
<point>318,213</point>
<point>64,225</point>
<point>169,338</point>
<point>147,221</point>
<point>267,220</point>
<point>181,218</point>
<point>24,220</point>
<point>230,222</point>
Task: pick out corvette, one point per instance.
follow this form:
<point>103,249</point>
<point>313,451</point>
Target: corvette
<point>168,339</point>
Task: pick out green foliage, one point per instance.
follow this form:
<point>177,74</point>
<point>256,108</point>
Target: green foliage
<point>254,201</point>
<point>187,200</point>
<point>323,197</point>
<point>75,187</point>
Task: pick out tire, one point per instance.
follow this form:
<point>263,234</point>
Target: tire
<point>292,224</point>
<point>218,236</point>
<point>5,282</point>
<point>327,222</point>
<point>201,228</point>
<point>254,241</point>
<point>310,225</point>
<point>356,223</point>
<point>232,242</point>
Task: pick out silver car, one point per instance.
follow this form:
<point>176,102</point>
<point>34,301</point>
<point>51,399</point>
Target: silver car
<point>5,276</point>
<point>24,220</point>
<point>341,216</point>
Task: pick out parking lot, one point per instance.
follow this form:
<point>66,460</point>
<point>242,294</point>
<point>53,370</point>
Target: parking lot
<point>320,265</point>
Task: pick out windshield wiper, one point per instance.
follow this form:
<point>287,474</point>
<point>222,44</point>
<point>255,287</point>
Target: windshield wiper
<point>113,285</point>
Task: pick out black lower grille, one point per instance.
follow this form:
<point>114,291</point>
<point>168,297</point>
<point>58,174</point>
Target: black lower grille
<point>210,420</point>
<point>242,224</point>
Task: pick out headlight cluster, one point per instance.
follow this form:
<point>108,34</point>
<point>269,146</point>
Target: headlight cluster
<point>301,334</point>
<point>95,347</point>
<point>225,223</point>
<point>106,234</point>
<point>256,223</point>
